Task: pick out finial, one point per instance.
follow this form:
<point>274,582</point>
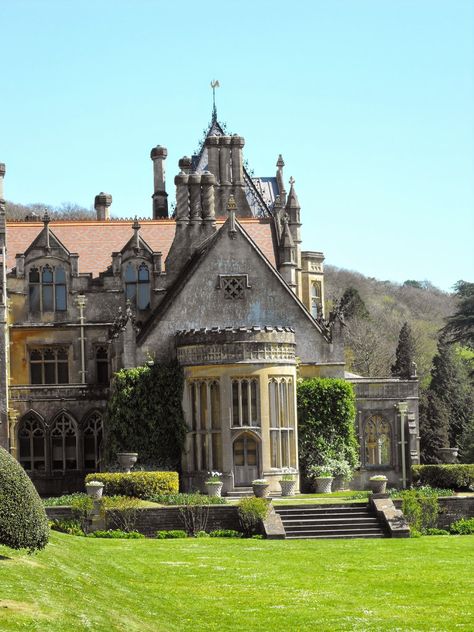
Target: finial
<point>46,220</point>
<point>280,161</point>
<point>291,181</point>
<point>136,227</point>
<point>214,85</point>
<point>231,208</point>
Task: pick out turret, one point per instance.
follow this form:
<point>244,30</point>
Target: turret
<point>293,210</point>
<point>160,197</point>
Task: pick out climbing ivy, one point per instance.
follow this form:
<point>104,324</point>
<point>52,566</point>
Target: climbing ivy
<point>145,415</point>
<point>326,430</point>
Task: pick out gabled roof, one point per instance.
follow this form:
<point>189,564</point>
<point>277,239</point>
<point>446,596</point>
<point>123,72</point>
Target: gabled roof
<point>95,241</point>
<point>47,239</point>
<point>195,261</point>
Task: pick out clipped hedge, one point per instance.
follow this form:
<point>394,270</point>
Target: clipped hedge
<point>137,484</point>
<point>445,476</point>
<point>23,521</point>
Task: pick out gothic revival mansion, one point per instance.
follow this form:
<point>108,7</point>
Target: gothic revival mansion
<point>223,286</point>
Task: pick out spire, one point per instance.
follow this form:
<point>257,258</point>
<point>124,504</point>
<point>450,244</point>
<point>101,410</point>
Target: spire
<point>214,85</point>
<point>286,238</point>
<point>292,197</point>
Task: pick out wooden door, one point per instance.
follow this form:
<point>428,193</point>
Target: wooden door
<point>245,460</point>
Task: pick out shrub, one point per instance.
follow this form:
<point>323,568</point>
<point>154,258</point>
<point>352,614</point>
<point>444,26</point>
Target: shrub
<point>81,507</point>
<point>444,476</point>
<point>194,514</point>
<point>137,484</point>
<point>434,531</point>
<point>420,511</point>
<point>183,499</point>
<point>23,521</point>
<point>225,533</point>
<point>326,429</point>
<point>144,415</point>
<point>122,511</point>
<point>71,527</point>
<point>117,534</point>
<point>173,533</point>
<point>63,501</point>
<point>465,526</point>
<point>252,511</point>
<point>202,534</point>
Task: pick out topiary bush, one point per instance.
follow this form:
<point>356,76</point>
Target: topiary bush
<point>137,484</point>
<point>446,476</point>
<point>23,521</point>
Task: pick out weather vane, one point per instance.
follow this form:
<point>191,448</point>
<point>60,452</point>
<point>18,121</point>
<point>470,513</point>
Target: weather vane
<point>214,85</point>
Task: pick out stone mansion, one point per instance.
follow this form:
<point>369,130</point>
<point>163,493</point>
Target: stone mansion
<point>221,284</point>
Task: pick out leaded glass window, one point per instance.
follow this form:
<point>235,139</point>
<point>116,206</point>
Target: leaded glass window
<point>377,441</point>
<point>47,289</point>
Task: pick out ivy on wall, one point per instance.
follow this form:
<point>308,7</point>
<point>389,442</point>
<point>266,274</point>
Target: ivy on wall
<point>326,428</point>
<point>145,415</point>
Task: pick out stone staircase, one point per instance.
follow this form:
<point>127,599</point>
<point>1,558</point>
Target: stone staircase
<point>240,492</point>
<point>342,521</point>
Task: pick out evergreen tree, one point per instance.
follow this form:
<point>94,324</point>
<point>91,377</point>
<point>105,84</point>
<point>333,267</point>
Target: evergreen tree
<point>352,305</point>
<point>405,353</point>
<point>460,326</point>
<point>434,427</point>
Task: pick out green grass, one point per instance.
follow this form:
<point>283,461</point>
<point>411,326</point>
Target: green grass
<point>197,585</point>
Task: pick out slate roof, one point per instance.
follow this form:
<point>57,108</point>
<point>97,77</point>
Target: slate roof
<point>95,241</point>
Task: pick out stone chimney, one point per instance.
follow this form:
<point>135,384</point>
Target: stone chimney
<point>160,197</point>
<point>102,203</point>
<point>3,229</point>
<point>2,175</point>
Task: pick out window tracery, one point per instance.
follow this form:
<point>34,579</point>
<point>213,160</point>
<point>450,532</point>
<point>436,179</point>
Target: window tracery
<point>32,443</point>
<point>282,422</point>
<point>47,289</point>
<point>377,441</point>
<point>64,455</point>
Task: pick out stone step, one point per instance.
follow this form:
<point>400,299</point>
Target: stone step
<point>328,531</point>
<point>369,520</point>
<point>335,536</point>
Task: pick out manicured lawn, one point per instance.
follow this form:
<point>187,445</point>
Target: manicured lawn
<point>215,584</point>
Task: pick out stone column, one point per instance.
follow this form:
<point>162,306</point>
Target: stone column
<point>212,144</point>
<point>224,173</point>
<point>102,203</point>
<point>208,181</point>
<point>160,197</point>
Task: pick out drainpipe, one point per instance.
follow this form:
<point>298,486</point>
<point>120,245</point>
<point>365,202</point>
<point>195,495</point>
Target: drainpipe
<point>403,409</point>
<point>81,303</point>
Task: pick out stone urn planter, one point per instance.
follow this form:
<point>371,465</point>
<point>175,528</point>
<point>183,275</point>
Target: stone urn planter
<point>323,484</point>
<point>94,489</point>
<point>261,488</point>
<point>288,487</point>
<point>214,488</point>
<point>127,460</point>
<point>448,455</point>
<point>378,484</point>
<point>339,484</point>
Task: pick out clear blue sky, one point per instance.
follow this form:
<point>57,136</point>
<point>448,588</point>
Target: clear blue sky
<point>370,102</point>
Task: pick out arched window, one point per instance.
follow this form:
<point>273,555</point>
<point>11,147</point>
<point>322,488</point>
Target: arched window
<point>137,285</point>
<point>47,289</point>
<point>282,422</point>
<point>93,430</point>
<point>64,444</point>
<point>102,365</point>
<point>377,441</point>
<point>32,443</point>
<point>316,299</point>
<point>245,402</point>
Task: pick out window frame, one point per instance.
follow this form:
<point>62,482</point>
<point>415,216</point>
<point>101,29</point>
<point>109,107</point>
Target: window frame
<point>205,430</point>
<point>377,418</point>
<point>133,284</point>
<point>45,364</point>
<point>282,421</point>
<point>43,303</point>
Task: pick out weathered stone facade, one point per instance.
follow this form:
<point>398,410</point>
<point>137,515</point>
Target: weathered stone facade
<point>222,285</point>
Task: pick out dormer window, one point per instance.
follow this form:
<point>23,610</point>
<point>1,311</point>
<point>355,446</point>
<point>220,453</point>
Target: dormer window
<point>47,289</point>
<point>137,285</point>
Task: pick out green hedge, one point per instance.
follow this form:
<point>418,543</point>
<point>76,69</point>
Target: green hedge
<point>445,476</point>
<point>137,484</point>
<point>23,521</point>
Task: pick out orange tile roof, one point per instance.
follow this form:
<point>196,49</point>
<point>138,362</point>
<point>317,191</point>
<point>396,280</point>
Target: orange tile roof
<point>95,241</point>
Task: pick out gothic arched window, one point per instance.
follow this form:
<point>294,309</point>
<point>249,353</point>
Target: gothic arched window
<point>64,444</point>
<point>92,431</point>
<point>377,441</point>
<point>137,285</point>
<point>316,299</point>
<point>32,443</point>
<point>47,289</point>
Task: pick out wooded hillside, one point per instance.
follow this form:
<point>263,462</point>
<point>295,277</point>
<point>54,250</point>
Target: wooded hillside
<point>372,333</point>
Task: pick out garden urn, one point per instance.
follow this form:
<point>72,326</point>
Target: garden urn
<point>94,489</point>
<point>448,455</point>
<point>378,484</point>
<point>323,484</point>
<point>288,487</point>
<point>214,488</point>
<point>127,460</point>
<point>261,490</point>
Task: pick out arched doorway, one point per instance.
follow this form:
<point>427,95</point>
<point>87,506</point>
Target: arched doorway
<point>246,459</point>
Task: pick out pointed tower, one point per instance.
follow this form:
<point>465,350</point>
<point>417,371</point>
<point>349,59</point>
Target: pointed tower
<point>287,255</point>
<point>294,224</point>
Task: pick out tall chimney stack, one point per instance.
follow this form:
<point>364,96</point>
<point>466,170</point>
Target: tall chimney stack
<point>102,203</point>
<point>160,197</point>
<point>2,175</point>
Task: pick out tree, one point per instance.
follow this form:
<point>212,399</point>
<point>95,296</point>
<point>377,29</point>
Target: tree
<point>23,521</point>
<point>460,326</point>
<point>405,353</point>
<point>352,305</point>
<point>434,427</point>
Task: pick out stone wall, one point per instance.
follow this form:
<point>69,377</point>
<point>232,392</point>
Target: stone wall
<point>451,509</point>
